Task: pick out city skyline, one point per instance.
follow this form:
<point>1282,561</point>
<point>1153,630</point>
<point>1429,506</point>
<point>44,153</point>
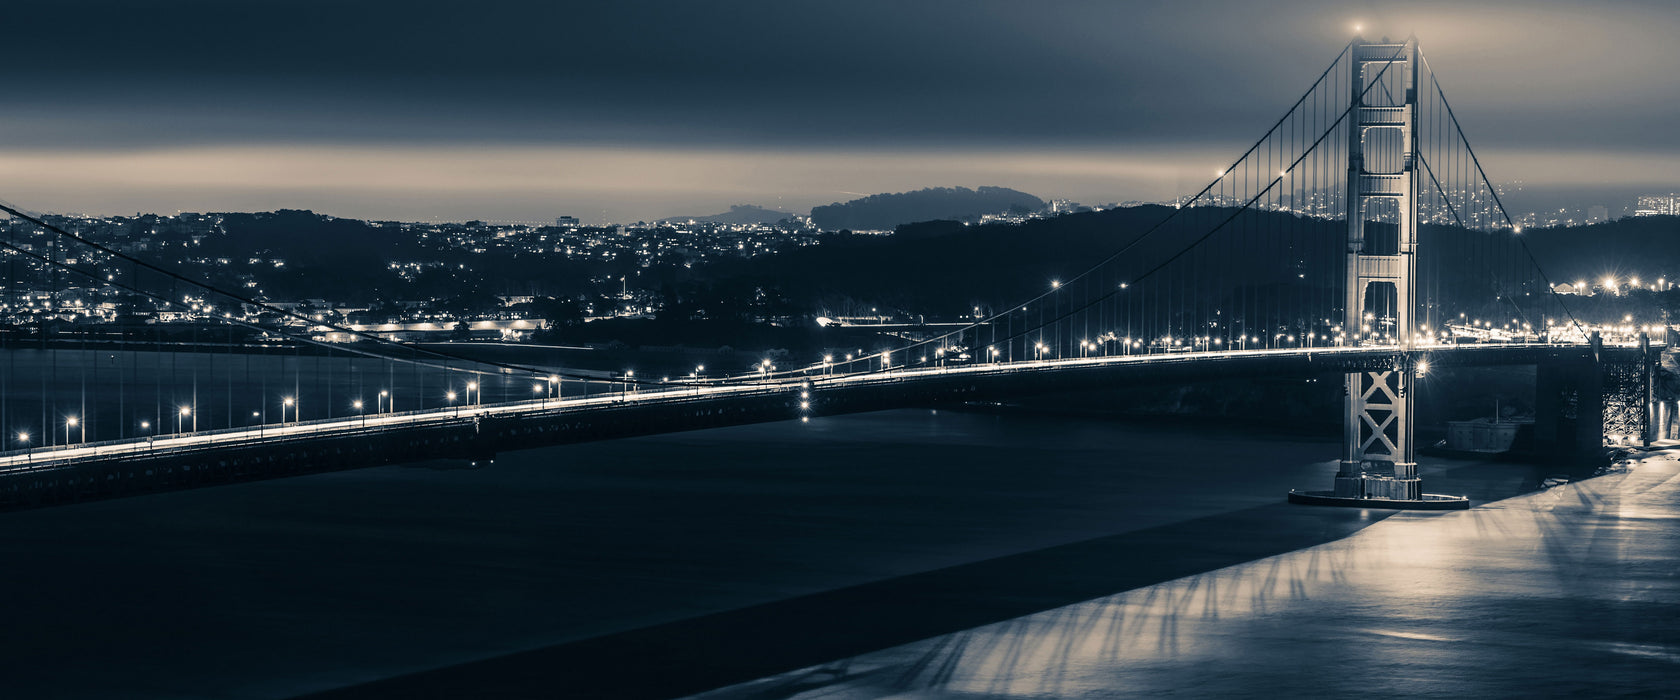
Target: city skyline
<point>530,113</point>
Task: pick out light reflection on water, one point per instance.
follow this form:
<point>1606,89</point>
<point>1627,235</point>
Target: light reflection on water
<point>1564,591</point>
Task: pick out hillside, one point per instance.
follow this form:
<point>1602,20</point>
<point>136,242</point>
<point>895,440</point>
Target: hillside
<point>738,214</point>
<point>1648,246</point>
<point>883,212</point>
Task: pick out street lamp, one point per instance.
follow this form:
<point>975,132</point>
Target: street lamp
<point>69,423</point>
<point>180,416</point>
<point>357,404</point>
<point>472,386</point>
<point>451,396</point>
<point>285,403</point>
<point>23,437</point>
<point>383,394</point>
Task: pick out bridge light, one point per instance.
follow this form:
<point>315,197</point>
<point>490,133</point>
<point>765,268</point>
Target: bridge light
<point>23,438</point>
<point>186,411</point>
<point>804,405</point>
<point>71,421</point>
<point>286,401</point>
<point>1055,284</point>
<point>449,395</point>
<point>357,404</point>
<point>145,425</point>
<point>1422,367</point>
<point>1219,174</point>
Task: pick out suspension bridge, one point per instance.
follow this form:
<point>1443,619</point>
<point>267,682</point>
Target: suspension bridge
<point>1359,235</point>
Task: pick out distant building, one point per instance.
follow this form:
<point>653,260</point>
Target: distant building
<point>1657,205</point>
<point>571,221</point>
<point>1597,214</point>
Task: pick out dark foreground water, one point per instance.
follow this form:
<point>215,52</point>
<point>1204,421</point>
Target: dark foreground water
<point>649,567</point>
<point>1569,592</point>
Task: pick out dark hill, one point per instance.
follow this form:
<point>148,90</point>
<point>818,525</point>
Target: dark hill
<point>945,267</point>
<point>304,237</point>
<point>1256,260</point>
<point>328,257</point>
<point>1647,245</point>
<point>738,214</point>
<point>883,212</point>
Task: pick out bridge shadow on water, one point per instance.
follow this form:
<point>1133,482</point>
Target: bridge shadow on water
<point>711,651</point>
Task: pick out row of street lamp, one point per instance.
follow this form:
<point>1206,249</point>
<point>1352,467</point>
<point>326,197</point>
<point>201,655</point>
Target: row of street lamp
<point>384,402</point>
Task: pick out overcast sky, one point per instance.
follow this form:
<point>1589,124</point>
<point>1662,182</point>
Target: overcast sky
<point>629,110</point>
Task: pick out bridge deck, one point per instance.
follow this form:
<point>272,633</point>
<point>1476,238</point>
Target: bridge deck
<point>1061,373</point>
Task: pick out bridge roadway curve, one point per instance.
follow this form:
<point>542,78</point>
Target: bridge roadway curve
<point>476,432</point>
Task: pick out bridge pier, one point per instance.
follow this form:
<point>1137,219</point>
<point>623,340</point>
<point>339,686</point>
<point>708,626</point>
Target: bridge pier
<point>1568,411</point>
<point>1584,405</point>
<point>1379,463</point>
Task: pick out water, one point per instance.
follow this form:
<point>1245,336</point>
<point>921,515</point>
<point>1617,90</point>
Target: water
<point>278,588</point>
<point>1564,593</point>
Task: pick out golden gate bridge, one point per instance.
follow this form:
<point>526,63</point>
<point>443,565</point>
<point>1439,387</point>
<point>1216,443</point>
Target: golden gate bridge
<point>1359,234</point>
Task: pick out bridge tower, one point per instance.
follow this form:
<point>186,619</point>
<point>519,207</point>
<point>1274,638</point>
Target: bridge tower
<point>1379,464</point>
<point>1378,459</point>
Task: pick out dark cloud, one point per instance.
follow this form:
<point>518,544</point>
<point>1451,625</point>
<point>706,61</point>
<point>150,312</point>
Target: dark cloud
<point>976,74</point>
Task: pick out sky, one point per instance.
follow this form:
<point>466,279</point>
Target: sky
<point>618,111</point>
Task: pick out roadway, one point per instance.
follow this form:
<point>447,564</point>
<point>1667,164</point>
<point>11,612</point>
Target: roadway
<point>41,459</point>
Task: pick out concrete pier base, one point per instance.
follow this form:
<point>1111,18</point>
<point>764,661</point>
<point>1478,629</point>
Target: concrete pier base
<point>1427,501</point>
